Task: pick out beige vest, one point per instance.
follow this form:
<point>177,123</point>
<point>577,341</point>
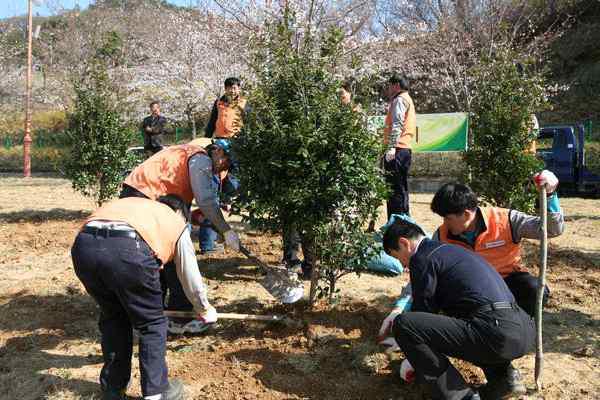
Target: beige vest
<point>155,222</point>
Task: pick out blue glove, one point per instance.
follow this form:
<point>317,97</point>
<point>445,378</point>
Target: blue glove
<point>553,203</point>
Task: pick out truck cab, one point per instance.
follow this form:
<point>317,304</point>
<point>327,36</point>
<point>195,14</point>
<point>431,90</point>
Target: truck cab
<point>562,148</point>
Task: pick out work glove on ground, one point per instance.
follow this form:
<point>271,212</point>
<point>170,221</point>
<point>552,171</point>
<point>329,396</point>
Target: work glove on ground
<point>232,240</point>
<point>208,315</point>
<point>546,178</point>
<point>390,154</point>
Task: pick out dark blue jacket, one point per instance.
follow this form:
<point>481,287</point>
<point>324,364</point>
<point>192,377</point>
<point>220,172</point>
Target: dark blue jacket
<point>454,280</point>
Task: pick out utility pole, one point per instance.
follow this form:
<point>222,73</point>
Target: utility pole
<point>27,138</point>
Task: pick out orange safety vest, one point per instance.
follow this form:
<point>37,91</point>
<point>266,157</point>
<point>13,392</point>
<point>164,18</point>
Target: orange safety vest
<point>495,244</point>
<point>230,118</point>
<point>166,172</point>
<point>155,222</point>
<point>410,124</point>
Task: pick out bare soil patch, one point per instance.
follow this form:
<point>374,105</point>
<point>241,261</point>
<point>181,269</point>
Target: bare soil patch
<point>49,340</point>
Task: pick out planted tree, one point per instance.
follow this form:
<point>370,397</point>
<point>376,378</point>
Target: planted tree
<point>307,161</point>
<point>507,93</point>
<point>98,137</point>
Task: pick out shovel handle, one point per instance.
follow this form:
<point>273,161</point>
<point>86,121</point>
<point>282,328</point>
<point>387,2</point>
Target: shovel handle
<point>245,317</point>
<point>539,354</point>
<point>254,258</point>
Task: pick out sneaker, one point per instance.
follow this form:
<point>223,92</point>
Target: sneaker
<point>474,396</point>
<point>186,326</point>
<point>174,392</point>
<point>113,394</point>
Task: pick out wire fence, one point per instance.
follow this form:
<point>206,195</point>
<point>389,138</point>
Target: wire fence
<point>44,138</point>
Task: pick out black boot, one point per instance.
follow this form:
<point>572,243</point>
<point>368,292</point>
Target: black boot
<point>113,394</point>
<point>449,385</point>
<point>505,386</point>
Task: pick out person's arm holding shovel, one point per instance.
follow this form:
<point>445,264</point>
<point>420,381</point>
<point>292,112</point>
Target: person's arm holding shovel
<point>206,194</point>
<point>525,226</point>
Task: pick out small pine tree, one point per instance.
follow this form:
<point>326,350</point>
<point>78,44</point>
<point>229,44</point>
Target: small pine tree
<point>306,160</point>
<point>500,123</point>
<point>98,137</point>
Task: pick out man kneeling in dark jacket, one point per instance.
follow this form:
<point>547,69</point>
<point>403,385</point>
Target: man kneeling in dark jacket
<point>481,322</point>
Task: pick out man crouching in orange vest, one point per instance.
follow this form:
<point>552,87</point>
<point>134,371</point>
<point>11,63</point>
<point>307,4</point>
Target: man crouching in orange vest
<point>186,170</point>
<point>117,256</point>
<point>495,234</point>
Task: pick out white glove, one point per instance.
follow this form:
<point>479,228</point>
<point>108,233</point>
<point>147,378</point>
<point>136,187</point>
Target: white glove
<point>390,345</point>
<point>546,178</point>
<point>385,331</point>
<point>208,315</point>
<point>407,372</point>
<point>390,154</point>
<point>232,240</point>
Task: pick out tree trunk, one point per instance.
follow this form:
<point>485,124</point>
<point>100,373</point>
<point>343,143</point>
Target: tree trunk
<point>308,243</point>
<point>314,284</point>
<point>463,8</point>
<point>191,120</point>
<point>332,280</point>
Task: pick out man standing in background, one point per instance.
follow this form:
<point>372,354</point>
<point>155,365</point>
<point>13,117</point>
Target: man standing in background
<point>153,127</point>
<point>225,122</point>
<point>226,117</point>
<point>400,128</point>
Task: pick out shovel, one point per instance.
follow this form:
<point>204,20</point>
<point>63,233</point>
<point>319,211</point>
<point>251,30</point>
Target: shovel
<point>539,355</point>
<point>282,284</point>
<point>234,316</point>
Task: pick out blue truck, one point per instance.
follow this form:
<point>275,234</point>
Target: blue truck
<point>562,148</point>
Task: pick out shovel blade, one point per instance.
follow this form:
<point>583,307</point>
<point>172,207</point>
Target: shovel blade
<point>284,285</point>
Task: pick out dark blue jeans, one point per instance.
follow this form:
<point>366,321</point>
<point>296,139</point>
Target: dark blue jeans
<point>206,236</point>
<point>292,240</point>
<point>176,300</point>
<point>122,275</point>
<point>396,176</point>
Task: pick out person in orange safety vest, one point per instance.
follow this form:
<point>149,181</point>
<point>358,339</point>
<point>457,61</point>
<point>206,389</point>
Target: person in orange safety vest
<point>117,255</point>
<point>188,171</point>
<point>227,115</point>
<point>400,128</point>
<point>495,233</point>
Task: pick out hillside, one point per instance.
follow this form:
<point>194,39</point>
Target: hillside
<point>181,55</point>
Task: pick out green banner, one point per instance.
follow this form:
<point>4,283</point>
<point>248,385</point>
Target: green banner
<point>435,132</point>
